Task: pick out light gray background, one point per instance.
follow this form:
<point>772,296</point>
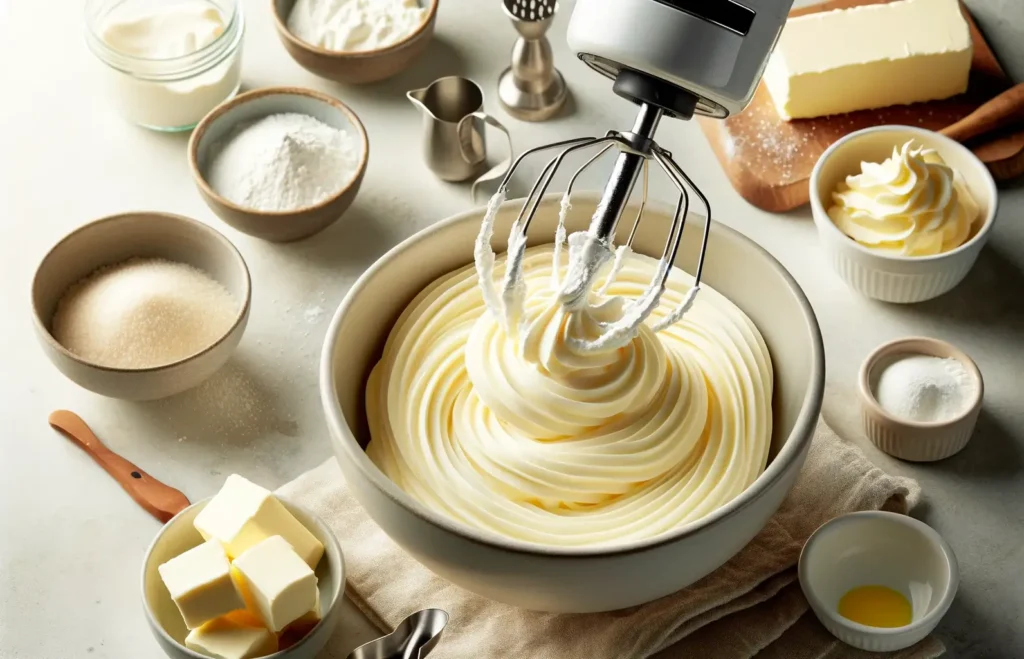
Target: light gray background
<point>71,541</point>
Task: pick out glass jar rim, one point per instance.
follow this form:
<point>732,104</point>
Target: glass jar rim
<point>163,68</point>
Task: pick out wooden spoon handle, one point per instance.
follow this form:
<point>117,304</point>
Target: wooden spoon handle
<point>993,115</point>
<point>161,501</point>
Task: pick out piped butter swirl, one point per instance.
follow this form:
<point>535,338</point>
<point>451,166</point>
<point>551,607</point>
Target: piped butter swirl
<point>911,204</point>
<point>536,440</point>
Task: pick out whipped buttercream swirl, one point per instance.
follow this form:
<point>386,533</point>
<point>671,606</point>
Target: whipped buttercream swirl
<point>911,204</point>
<point>523,430</point>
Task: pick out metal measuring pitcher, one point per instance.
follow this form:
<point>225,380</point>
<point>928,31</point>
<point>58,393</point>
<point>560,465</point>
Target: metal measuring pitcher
<point>454,143</point>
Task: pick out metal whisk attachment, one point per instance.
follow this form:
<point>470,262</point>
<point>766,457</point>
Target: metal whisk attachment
<point>637,149</point>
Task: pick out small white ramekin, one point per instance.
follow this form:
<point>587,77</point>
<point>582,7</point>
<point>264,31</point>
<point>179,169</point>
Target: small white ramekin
<point>917,441</point>
<point>891,278</point>
<point>883,549</point>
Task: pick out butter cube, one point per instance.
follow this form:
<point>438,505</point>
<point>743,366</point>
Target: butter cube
<point>244,514</point>
<point>298,629</point>
<point>276,583</point>
<point>200,584</point>
<point>868,57</point>
<point>234,636</point>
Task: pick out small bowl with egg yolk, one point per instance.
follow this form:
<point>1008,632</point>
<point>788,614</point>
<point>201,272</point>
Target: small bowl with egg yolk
<point>877,580</point>
<point>907,230</point>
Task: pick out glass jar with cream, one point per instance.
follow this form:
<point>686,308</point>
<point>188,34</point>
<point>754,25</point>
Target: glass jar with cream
<point>166,64</point>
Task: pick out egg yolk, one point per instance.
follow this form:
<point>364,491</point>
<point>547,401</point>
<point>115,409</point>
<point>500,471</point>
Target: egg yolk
<point>876,606</point>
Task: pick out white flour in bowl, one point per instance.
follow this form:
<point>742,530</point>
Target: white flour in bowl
<point>283,162</point>
<point>355,25</point>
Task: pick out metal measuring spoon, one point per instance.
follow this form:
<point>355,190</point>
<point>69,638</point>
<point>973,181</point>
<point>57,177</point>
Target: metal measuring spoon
<point>413,638</point>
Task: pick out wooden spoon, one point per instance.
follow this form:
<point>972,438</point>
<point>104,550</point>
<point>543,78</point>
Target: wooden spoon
<point>1000,111</point>
<point>161,501</point>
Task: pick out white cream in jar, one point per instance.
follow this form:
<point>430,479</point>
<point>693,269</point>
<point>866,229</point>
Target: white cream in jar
<point>536,438</point>
<point>167,64</point>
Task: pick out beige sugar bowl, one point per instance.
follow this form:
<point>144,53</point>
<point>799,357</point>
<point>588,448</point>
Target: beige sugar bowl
<point>116,239</point>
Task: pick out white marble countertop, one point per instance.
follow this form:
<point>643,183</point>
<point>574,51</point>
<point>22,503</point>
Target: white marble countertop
<point>71,541</point>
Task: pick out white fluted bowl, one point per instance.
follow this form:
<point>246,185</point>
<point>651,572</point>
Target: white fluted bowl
<point>577,579</point>
<point>887,277</point>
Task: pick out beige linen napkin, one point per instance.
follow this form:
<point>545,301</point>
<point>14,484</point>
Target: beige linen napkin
<point>750,605</point>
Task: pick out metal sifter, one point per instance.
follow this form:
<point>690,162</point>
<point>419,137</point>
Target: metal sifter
<point>672,58</point>
<point>531,89</point>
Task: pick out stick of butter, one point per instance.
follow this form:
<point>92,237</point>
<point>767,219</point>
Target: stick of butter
<point>869,57</point>
<point>243,514</point>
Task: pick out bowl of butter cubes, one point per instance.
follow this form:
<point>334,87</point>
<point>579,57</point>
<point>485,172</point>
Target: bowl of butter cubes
<point>242,575</point>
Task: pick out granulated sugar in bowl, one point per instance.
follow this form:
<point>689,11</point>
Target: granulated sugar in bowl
<point>141,305</point>
<point>143,313</point>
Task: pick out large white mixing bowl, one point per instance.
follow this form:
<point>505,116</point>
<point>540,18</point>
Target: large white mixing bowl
<point>550,578</point>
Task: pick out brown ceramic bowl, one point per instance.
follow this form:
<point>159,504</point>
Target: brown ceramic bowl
<point>116,239</point>
<point>277,226</point>
<point>355,67</point>
<point>916,441</point>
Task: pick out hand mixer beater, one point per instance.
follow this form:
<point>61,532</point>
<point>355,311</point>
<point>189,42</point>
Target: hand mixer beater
<point>673,58</point>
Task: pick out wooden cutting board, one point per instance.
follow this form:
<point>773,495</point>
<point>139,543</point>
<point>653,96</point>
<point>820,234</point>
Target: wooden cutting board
<point>769,160</point>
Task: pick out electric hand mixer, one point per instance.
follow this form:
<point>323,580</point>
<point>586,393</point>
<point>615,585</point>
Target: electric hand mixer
<point>673,58</point>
